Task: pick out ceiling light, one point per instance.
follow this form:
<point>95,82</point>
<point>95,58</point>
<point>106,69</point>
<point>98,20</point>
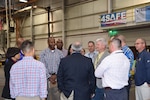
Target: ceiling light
<point>23,0</point>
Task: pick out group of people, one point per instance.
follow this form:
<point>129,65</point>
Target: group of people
<point>100,74</point>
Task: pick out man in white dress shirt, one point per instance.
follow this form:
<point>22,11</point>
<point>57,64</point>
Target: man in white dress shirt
<point>114,70</point>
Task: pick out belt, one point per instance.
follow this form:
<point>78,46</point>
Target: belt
<point>52,73</point>
<point>107,88</point>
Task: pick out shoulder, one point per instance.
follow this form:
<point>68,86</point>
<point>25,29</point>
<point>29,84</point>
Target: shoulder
<point>87,58</point>
<point>106,52</point>
<point>147,54</point>
<point>39,63</point>
<point>15,66</point>
<point>44,51</point>
<point>87,54</point>
<point>58,51</point>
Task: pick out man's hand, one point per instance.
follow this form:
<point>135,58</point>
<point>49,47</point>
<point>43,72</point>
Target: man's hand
<point>92,95</point>
<point>52,79</point>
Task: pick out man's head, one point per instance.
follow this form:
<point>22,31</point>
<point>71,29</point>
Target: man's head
<point>115,44</point>
<point>27,48</point>
<point>140,44</point>
<point>19,42</point>
<point>123,40</point>
<point>101,45</point>
<point>59,44</point>
<point>13,53</point>
<point>76,47</point>
<point>51,43</point>
<point>91,46</point>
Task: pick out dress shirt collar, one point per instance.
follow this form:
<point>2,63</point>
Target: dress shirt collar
<point>28,57</point>
<point>124,47</point>
<point>51,50</point>
<point>117,51</point>
<point>92,53</point>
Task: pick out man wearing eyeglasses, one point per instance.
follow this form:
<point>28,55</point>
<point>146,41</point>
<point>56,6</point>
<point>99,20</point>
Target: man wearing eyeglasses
<point>142,72</point>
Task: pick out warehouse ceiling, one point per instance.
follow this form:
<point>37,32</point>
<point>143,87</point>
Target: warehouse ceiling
<point>15,5</point>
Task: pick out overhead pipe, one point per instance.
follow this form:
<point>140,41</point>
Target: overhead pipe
<point>31,24</point>
<point>7,22</point>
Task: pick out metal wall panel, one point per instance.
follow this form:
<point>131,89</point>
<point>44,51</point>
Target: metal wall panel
<point>117,4</point>
<point>40,19</point>
<point>57,15</point>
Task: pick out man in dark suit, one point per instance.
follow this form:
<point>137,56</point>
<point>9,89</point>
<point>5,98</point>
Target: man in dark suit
<point>75,76</point>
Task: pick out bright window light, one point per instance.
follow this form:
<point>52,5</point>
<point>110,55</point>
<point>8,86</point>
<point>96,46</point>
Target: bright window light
<point>23,0</point>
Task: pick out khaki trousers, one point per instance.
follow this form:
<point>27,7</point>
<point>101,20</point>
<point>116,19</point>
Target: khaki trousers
<point>63,97</point>
<point>29,98</point>
<point>53,93</point>
<point>142,92</point>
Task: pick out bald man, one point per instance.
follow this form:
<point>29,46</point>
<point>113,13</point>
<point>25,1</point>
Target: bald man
<point>19,42</point>
<point>51,58</point>
<point>114,70</point>
<point>128,52</point>
<point>59,45</point>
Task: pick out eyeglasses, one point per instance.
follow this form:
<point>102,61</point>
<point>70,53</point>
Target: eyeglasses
<point>138,43</point>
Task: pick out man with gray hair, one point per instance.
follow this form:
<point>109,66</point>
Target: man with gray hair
<point>28,76</point>
<point>101,47</point>
<point>114,70</point>
<point>75,76</point>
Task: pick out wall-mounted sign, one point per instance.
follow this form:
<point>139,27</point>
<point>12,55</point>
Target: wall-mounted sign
<point>113,19</point>
<point>142,14</point>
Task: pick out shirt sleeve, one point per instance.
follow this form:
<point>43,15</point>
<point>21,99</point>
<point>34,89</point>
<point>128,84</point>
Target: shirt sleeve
<point>12,93</point>
<point>92,79</point>
<point>43,83</point>
<point>101,68</point>
<point>131,58</point>
<point>148,67</point>
<point>43,60</point>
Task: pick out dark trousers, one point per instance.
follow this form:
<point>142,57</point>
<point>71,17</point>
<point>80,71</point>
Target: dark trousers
<point>115,94</point>
<point>99,94</point>
<point>128,87</point>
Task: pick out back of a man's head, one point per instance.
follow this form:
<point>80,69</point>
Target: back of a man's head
<point>115,44</point>
<point>27,46</point>
<point>76,47</point>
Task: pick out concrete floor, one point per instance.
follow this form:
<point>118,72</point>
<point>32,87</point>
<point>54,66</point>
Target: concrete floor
<point>2,80</point>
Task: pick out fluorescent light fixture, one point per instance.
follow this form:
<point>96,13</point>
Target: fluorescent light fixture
<point>23,0</point>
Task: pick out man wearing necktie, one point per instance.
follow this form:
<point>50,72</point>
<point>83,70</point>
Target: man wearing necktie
<point>101,45</point>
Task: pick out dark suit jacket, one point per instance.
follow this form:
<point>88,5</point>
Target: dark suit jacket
<point>6,89</point>
<point>76,72</point>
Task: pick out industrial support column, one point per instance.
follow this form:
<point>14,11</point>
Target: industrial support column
<point>31,24</point>
<point>110,6</point>
<point>48,13</point>
<point>7,22</point>
<point>63,23</point>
